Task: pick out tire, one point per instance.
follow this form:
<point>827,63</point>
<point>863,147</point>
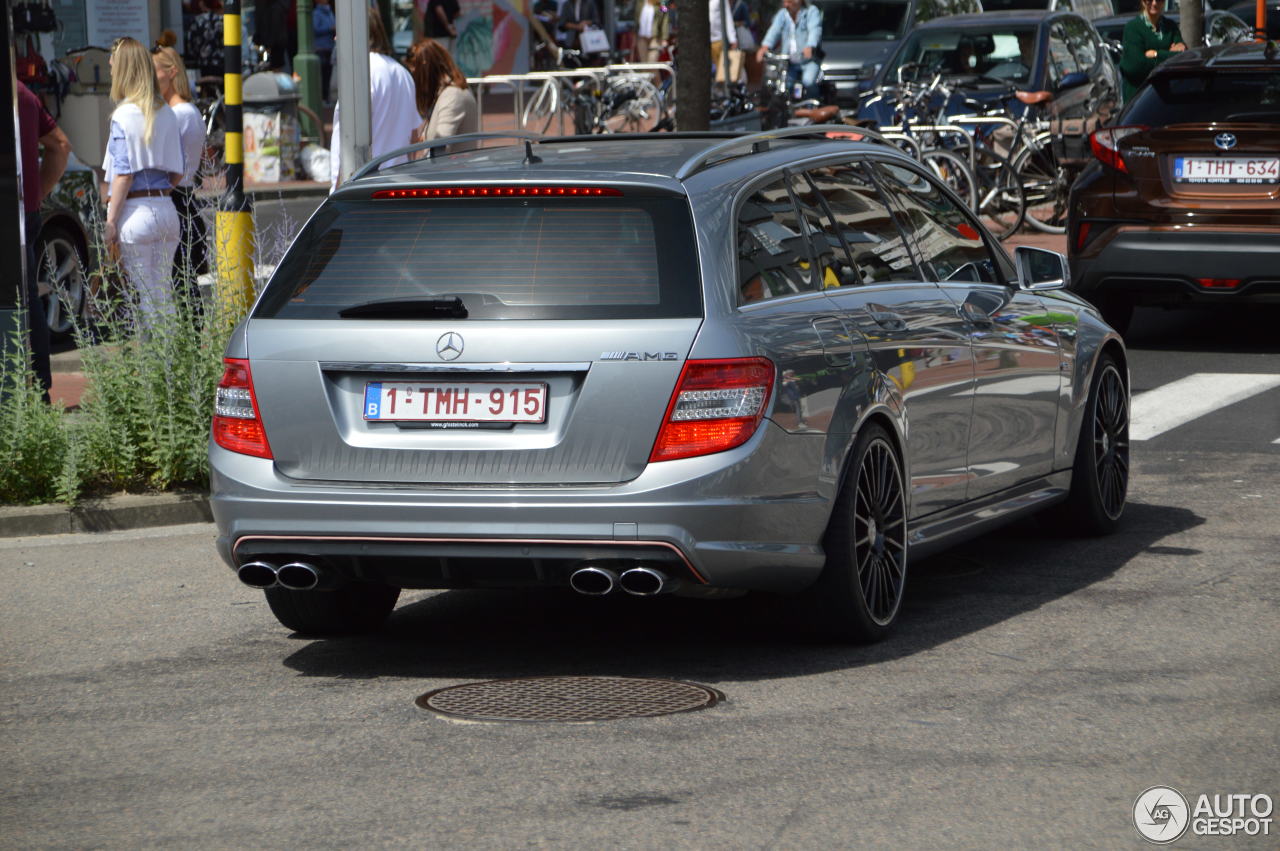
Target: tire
<point>61,280</point>
<point>1045,187</point>
<point>1100,473</point>
<point>541,111</point>
<point>860,592</point>
<point>954,172</point>
<point>1002,203</point>
<point>349,609</point>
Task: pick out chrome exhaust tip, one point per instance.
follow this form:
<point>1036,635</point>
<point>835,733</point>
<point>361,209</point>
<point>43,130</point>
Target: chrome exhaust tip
<point>257,574</point>
<point>298,576</point>
<point>646,582</point>
<point>593,581</point>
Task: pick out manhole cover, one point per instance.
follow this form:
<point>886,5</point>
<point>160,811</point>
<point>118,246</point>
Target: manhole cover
<point>568,699</point>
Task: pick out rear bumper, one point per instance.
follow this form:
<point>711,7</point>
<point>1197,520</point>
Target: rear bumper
<point>731,520</point>
<point>1164,265</point>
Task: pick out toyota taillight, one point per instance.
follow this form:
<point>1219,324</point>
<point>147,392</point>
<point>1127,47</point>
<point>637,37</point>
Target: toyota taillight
<point>1105,144</point>
<point>717,405</point>
<point>236,423</point>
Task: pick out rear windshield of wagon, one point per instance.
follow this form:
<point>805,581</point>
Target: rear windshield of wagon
<point>507,258</point>
<point>1205,96</point>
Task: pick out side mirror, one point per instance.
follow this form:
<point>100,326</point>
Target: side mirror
<point>1073,80</point>
<point>1040,269</point>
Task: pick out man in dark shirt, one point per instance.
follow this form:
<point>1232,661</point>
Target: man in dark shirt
<point>36,129</point>
<point>439,21</point>
<point>576,16</point>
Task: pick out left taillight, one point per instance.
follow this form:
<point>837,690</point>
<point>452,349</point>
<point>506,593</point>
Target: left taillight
<point>1105,144</point>
<point>236,423</point>
<point>717,405</point>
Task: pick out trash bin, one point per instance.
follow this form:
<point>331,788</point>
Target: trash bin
<point>271,139</point>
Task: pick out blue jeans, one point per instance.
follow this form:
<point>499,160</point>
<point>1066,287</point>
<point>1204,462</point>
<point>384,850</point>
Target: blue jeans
<point>807,74</point>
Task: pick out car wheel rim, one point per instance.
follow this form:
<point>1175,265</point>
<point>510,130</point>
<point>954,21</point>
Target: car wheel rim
<point>61,283</point>
<point>879,523</point>
<point>1111,442</point>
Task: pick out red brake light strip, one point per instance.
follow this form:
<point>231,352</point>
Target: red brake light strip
<point>498,192</point>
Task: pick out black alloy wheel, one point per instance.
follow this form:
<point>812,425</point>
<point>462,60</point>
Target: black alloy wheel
<point>1100,475</point>
<point>861,588</point>
<point>1111,441</point>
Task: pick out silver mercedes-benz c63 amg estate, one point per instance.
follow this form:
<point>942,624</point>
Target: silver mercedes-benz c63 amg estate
<point>680,363</point>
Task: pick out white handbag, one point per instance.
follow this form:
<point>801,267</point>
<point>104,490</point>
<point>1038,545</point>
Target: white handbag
<point>594,40</point>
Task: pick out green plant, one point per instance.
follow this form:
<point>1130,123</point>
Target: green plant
<point>33,441</point>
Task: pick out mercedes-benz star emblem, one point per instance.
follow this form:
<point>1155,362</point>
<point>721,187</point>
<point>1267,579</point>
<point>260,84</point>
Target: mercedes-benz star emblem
<point>449,346</point>
<point>1225,141</point>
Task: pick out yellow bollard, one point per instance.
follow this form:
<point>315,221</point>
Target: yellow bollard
<point>233,255</point>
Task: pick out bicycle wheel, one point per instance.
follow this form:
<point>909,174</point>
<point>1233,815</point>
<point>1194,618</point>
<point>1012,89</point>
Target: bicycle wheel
<point>1002,204</point>
<point>634,106</point>
<point>1045,185</point>
<point>542,108</point>
<point>954,172</point>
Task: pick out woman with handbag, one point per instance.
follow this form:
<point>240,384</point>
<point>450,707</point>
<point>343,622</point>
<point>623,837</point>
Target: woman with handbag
<point>442,95</point>
<point>192,258</point>
<point>143,162</point>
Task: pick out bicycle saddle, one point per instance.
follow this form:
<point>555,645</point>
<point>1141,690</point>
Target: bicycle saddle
<point>818,114</point>
<point>1030,98</point>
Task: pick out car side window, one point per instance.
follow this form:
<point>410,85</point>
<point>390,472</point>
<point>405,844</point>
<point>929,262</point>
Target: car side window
<point>946,236</point>
<point>1080,39</point>
<point>773,248</point>
<point>1061,59</point>
<point>864,223</point>
<point>835,269</point>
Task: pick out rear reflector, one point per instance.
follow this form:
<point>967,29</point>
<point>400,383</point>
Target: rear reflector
<point>499,192</point>
<point>1104,144</point>
<point>1219,283</point>
<point>717,405</point>
<point>1082,234</point>
<point>236,423</point>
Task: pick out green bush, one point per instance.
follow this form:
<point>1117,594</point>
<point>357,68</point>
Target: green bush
<point>33,437</point>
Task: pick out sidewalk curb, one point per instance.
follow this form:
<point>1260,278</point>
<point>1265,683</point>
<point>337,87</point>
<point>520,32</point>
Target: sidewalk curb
<point>113,513</point>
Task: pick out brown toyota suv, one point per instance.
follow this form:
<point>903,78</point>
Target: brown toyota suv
<point>1182,206</point>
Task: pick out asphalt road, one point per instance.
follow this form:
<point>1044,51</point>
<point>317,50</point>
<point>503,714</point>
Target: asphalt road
<point>1035,687</point>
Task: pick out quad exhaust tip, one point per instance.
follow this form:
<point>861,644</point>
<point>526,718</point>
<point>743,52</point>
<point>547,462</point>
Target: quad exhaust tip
<point>298,576</point>
<point>646,582</point>
<point>593,581</point>
<point>257,574</point>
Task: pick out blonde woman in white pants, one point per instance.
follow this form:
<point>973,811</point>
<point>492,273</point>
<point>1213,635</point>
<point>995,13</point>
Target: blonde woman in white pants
<point>143,163</point>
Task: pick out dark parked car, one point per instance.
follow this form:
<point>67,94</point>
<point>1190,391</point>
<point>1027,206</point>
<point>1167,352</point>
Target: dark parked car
<point>664,363</point>
<point>1248,12</point>
<point>858,35</point>
<point>1183,204</point>
<point>68,218</point>
<point>987,56</point>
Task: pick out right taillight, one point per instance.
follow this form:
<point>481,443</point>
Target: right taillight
<point>717,405</point>
<point>1105,144</point>
<point>236,423</point>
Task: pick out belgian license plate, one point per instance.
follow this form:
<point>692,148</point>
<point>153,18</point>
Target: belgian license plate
<point>1226,169</point>
<point>455,402</point>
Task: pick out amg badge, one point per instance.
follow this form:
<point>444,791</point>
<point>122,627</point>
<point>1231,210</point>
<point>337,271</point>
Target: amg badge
<point>639,356</point>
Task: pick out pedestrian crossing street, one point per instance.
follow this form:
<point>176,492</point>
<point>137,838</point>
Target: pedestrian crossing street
<point>1162,409</point>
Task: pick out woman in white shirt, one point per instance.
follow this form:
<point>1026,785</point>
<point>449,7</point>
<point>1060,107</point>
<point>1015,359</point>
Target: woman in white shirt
<point>192,258</point>
<point>143,163</point>
<point>442,95</point>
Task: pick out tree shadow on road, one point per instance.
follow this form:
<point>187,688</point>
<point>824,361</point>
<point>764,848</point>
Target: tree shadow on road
<point>477,635</point>
<point>1235,328</point>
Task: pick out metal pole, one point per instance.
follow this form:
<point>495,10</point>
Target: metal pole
<point>307,65</point>
<point>13,275</point>
<point>233,223</point>
<point>355,133</point>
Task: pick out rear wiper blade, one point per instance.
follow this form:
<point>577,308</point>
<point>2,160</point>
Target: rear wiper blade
<point>407,308</point>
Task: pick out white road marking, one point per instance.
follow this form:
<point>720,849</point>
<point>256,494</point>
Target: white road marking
<point>1171,405</point>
